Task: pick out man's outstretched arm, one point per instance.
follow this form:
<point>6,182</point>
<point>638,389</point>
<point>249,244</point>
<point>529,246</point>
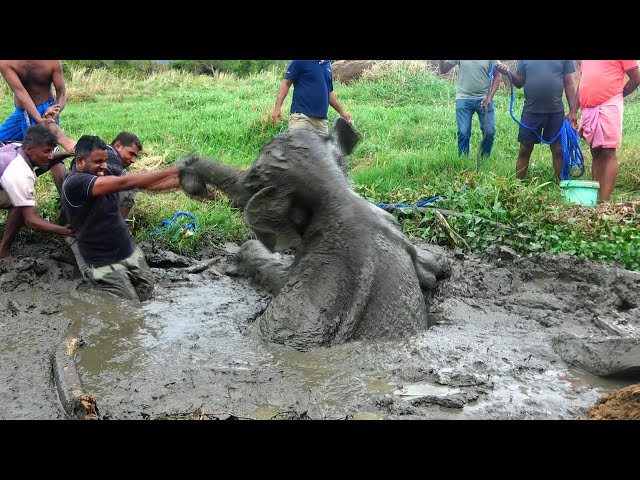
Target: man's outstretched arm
<point>35,221</point>
<point>112,184</point>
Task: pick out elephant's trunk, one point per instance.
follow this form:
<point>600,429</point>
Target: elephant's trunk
<point>196,172</point>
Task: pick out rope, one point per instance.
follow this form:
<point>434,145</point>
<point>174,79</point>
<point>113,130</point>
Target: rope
<point>407,205</point>
<point>169,225</point>
<point>571,152</point>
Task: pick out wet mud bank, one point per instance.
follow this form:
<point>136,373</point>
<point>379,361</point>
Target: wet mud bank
<point>512,338</point>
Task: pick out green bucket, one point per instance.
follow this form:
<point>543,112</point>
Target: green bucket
<point>582,192</point>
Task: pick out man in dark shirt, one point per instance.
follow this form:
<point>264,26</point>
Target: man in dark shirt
<point>544,82</point>
<point>121,154</point>
<point>91,201</point>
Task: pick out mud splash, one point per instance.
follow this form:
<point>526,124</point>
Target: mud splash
<point>503,346</point>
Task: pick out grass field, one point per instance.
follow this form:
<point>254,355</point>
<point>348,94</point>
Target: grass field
<point>408,153</point>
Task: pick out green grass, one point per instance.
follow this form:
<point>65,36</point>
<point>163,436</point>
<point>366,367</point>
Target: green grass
<point>408,153</point>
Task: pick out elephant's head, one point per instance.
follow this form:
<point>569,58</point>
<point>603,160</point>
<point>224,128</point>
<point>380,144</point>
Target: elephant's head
<point>297,174</point>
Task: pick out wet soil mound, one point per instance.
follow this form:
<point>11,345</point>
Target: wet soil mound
<point>623,404</point>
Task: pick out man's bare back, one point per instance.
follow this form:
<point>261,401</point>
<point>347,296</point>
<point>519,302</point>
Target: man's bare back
<point>37,76</point>
<point>33,83</point>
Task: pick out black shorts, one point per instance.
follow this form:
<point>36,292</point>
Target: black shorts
<point>547,125</point>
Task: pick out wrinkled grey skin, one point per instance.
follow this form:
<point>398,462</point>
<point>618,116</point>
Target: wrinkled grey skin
<point>354,276</point>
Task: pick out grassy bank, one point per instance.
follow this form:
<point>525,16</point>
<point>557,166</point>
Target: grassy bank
<point>408,153</point>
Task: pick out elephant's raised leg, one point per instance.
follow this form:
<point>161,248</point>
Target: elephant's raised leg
<point>258,263</point>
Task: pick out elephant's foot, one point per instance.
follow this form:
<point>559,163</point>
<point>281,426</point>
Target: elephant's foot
<point>258,263</point>
<point>431,266</point>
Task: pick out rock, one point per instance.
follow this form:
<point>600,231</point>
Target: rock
<point>604,356</point>
<point>348,71</point>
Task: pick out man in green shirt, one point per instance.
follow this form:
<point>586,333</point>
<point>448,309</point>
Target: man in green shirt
<point>474,94</point>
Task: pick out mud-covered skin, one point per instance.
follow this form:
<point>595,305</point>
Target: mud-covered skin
<point>355,275</point>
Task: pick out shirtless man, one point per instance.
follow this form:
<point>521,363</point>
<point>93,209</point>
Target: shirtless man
<point>32,83</point>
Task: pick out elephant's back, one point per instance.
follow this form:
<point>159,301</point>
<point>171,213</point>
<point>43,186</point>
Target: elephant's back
<point>396,306</point>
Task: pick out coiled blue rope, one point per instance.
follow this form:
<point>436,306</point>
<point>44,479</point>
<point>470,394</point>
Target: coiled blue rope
<point>169,225</point>
<point>571,152</point>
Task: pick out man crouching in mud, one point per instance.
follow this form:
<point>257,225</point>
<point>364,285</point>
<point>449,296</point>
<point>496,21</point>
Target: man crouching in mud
<point>17,184</point>
<point>92,203</point>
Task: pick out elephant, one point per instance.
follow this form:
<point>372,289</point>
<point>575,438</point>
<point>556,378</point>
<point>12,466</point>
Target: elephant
<point>354,275</point>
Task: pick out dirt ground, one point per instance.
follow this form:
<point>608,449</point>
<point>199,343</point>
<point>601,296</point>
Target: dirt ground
<point>514,338</point>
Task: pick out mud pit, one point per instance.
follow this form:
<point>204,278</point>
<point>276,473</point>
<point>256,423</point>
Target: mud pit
<point>514,339</point>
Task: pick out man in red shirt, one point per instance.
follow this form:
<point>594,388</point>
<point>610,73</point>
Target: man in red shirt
<point>600,93</point>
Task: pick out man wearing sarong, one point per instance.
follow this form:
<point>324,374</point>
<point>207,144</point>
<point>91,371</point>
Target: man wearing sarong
<point>600,92</point>
<point>32,83</point>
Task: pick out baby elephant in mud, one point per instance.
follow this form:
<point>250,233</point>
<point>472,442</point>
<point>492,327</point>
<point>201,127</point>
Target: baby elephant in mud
<point>354,275</point>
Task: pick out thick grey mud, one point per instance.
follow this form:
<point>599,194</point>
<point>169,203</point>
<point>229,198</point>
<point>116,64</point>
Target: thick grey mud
<point>513,339</point>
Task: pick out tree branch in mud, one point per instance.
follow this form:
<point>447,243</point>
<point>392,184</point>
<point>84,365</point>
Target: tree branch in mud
<point>451,234</point>
<point>452,213</point>
<point>201,267</point>
<point>199,414</point>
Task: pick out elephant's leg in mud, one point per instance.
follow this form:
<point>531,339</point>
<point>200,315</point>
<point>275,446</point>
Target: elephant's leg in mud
<point>264,267</point>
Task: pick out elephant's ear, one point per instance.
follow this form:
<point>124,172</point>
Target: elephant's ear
<point>345,135</point>
<point>276,222</point>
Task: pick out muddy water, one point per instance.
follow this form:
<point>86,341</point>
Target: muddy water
<point>490,354</point>
<point>194,346</point>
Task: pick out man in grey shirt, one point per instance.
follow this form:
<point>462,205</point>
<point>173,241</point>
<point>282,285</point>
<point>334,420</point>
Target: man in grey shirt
<point>473,95</point>
<point>544,82</point>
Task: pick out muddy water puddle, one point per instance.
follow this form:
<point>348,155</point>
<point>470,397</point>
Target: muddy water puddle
<point>195,346</point>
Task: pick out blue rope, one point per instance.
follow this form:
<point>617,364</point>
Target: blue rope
<point>407,205</point>
<point>571,152</point>
<point>168,225</point>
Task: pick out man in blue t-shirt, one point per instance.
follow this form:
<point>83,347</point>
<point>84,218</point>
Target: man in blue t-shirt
<point>91,201</point>
<point>312,94</point>
<point>544,82</point>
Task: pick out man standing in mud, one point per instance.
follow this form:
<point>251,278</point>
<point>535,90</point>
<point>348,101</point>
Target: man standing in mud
<point>312,82</point>
<point>91,201</point>
<point>32,83</point>
<point>17,184</point>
